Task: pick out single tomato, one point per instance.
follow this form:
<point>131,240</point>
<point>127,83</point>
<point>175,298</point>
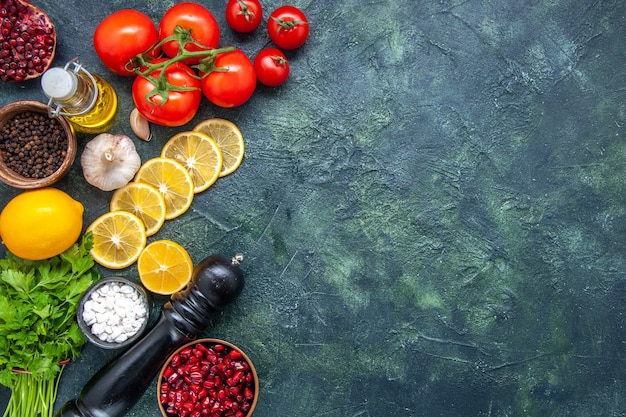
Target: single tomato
<point>271,67</point>
<point>288,27</point>
<point>204,30</point>
<point>244,15</point>
<point>231,81</point>
<point>169,100</point>
<point>121,36</point>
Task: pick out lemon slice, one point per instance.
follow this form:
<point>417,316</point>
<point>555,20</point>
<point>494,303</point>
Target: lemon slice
<point>118,239</point>
<point>164,267</point>
<point>199,154</point>
<point>144,201</point>
<point>228,138</point>
<point>172,180</point>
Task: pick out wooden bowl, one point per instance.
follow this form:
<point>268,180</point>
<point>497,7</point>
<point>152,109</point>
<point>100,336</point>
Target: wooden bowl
<point>14,179</point>
<point>211,392</point>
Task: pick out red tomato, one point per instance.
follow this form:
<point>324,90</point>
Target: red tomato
<point>194,16</point>
<point>244,15</point>
<point>180,106</point>
<point>232,82</point>
<point>288,27</point>
<point>121,36</point>
<point>271,67</point>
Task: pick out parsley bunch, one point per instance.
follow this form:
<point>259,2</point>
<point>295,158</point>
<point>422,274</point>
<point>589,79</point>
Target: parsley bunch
<point>38,328</point>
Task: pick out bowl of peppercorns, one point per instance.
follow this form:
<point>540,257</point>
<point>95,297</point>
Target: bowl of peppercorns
<point>208,377</point>
<point>36,150</point>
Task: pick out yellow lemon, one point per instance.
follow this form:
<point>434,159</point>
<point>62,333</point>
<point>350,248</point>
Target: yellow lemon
<point>199,154</point>
<point>164,267</point>
<point>172,179</point>
<point>118,239</point>
<point>42,223</point>
<point>144,201</point>
<point>228,138</point>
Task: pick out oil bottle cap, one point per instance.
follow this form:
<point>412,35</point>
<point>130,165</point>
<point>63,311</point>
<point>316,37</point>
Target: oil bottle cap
<point>59,84</point>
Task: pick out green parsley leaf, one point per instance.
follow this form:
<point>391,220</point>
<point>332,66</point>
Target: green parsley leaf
<point>38,330</point>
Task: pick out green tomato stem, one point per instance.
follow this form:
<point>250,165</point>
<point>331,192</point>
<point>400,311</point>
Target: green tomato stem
<point>287,24</point>
<point>143,64</point>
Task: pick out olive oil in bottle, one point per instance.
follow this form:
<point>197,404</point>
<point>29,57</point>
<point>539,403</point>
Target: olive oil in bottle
<point>87,101</point>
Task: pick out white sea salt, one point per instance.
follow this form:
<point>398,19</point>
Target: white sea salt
<point>114,312</point>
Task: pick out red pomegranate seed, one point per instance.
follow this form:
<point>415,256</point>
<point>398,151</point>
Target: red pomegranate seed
<point>210,381</point>
<point>24,27</point>
<point>235,354</point>
<point>247,393</point>
<point>185,353</point>
<point>175,361</point>
<point>173,377</point>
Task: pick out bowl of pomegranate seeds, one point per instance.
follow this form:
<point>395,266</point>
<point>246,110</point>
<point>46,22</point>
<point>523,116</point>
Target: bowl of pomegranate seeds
<point>36,150</point>
<point>208,378</point>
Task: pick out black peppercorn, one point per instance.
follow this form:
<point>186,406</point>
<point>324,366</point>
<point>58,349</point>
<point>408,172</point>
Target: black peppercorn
<point>28,140</point>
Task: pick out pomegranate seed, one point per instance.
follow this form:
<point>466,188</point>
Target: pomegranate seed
<point>24,27</point>
<point>201,347</point>
<point>210,381</point>
<point>173,377</point>
<point>235,354</point>
<point>186,353</point>
<point>175,360</point>
<point>247,393</point>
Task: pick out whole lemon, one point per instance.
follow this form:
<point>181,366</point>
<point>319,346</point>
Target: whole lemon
<point>42,223</point>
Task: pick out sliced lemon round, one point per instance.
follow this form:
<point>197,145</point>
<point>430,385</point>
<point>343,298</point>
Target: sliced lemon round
<point>229,139</point>
<point>172,180</point>
<point>164,267</point>
<point>199,153</point>
<point>118,239</point>
<point>144,201</point>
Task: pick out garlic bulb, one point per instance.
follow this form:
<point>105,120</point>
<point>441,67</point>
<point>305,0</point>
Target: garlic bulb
<point>110,161</point>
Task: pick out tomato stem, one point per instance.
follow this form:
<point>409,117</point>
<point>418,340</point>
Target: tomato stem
<point>288,24</point>
<point>245,11</point>
<point>144,66</point>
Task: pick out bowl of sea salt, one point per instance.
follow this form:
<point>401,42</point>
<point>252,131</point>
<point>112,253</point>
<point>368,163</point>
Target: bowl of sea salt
<point>114,312</point>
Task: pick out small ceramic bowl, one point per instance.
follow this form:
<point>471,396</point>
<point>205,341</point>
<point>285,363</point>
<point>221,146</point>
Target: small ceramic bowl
<point>218,376</point>
<point>114,312</point>
<point>13,178</point>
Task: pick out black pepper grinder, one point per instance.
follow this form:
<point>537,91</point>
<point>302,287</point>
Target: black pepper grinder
<point>112,391</point>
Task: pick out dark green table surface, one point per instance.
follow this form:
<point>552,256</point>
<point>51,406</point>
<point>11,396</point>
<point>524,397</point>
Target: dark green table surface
<point>432,209</point>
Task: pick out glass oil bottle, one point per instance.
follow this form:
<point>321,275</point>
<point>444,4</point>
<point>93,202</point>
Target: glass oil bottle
<point>86,100</point>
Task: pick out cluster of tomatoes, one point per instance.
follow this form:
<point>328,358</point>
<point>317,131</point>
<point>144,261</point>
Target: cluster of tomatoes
<point>177,62</point>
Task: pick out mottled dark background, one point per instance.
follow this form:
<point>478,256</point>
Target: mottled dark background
<point>432,209</point>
